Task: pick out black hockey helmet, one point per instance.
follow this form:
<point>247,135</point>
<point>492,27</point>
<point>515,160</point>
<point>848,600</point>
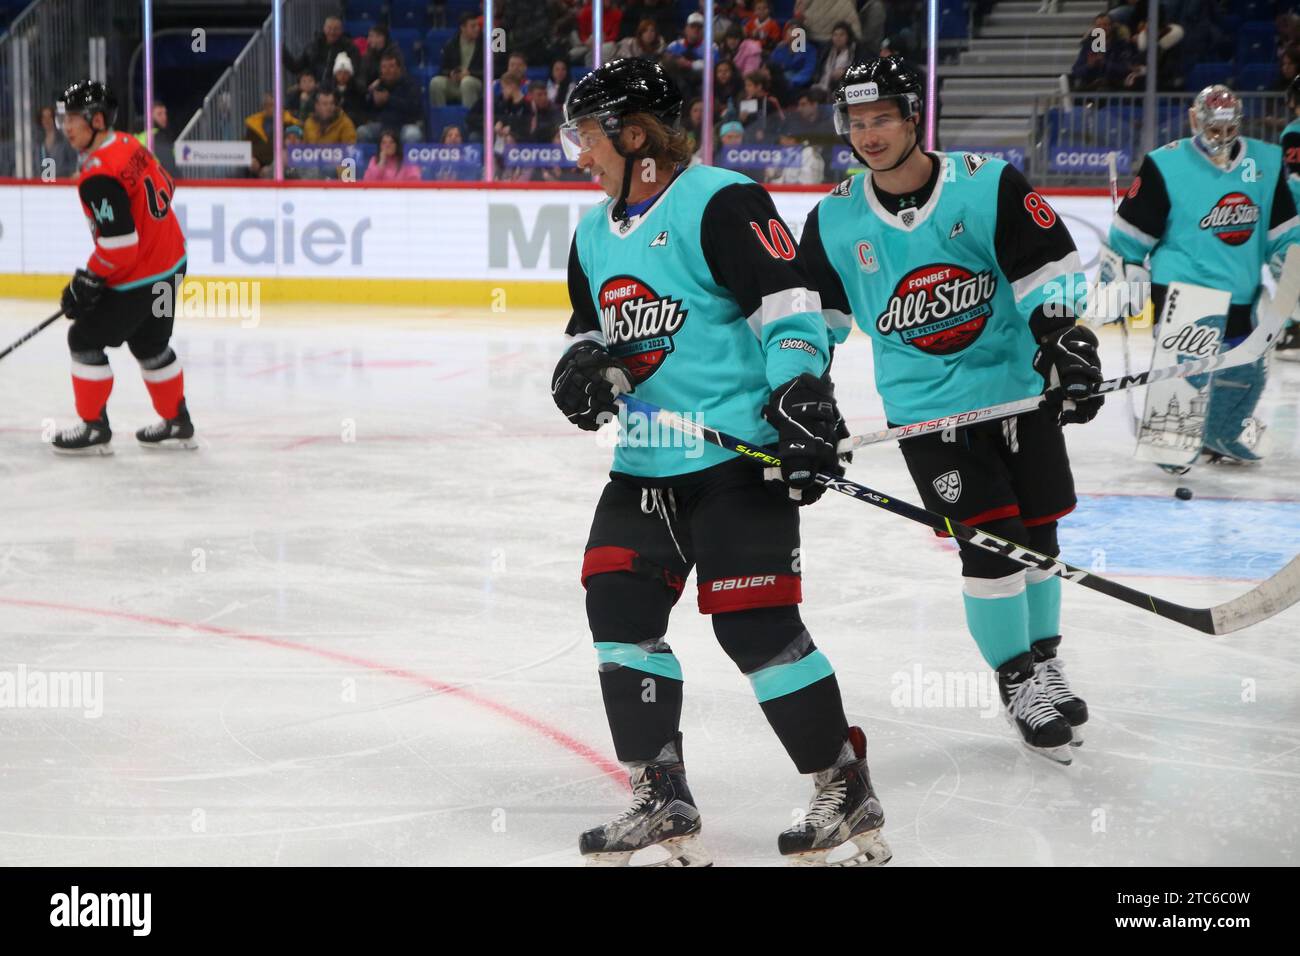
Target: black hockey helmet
<point>884,78</point>
<point>612,91</point>
<point>88,97</point>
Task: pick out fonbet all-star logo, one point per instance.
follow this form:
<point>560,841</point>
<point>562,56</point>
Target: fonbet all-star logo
<point>1233,219</point>
<point>939,308</point>
<point>639,324</point>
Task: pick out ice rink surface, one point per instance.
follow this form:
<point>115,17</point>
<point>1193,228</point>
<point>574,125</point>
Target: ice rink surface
<point>349,629</point>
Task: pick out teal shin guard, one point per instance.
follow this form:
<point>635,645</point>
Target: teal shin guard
<point>997,615</point>
<point>1044,598</point>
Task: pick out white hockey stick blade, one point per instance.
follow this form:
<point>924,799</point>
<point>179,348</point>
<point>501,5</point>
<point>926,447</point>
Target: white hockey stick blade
<point>1286,299</point>
<point>1271,597</point>
<point>1250,350</point>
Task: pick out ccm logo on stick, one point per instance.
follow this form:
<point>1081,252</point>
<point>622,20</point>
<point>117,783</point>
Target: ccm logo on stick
<point>735,584</point>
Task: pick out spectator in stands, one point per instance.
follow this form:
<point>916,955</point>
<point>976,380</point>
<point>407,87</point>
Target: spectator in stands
<point>684,58</point>
<point>1090,66</point>
<point>1124,68</point>
<point>747,55</point>
<point>1169,54</point>
<point>394,101</point>
<point>795,57</point>
<point>693,122</point>
<point>760,112</point>
<point>662,12</point>
<point>293,134</point>
<point>729,134</point>
<point>541,119</point>
<point>329,124</point>
<point>1288,65</point>
<point>163,141</point>
<point>871,18</point>
<point>808,122</point>
<point>821,18</point>
<point>446,172</point>
<point>558,83</point>
<point>460,70</point>
<point>904,27</point>
<point>321,51</point>
<point>762,26</point>
<point>58,156</point>
<point>517,68</point>
<point>301,101</point>
<point>348,91</point>
<point>581,45</point>
<point>388,165</point>
<point>726,91</point>
<point>836,57</point>
<point>509,112</point>
<point>1125,12</point>
<point>646,42</point>
<point>528,25</point>
<point>726,14</point>
<point>378,40</point>
<point>259,131</point>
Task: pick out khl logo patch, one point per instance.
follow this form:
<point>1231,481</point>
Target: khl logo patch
<point>949,486</point>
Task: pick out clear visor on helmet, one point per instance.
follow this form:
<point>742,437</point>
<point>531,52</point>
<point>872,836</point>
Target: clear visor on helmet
<point>577,136</point>
<point>865,93</point>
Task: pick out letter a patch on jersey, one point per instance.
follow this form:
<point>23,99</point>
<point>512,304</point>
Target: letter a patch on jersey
<point>948,485</point>
<point>660,240</point>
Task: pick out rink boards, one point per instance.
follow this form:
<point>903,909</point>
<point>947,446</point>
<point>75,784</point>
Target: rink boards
<point>492,247</point>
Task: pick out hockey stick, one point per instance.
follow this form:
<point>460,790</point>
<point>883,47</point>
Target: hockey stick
<point>32,334</point>
<point>1265,600</point>
<point>1123,322</point>
<point>1250,350</point>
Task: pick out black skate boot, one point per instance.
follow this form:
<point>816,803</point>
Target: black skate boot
<point>1041,727</point>
<point>662,816</point>
<point>1049,671</point>
<point>175,432</point>
<point>844,811</point>
<point>85,438</point>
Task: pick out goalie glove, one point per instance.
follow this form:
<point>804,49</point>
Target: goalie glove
<point>808,426</point>
<point>586,382</point>
<point>1067,359</point>
<point>1123,289</point>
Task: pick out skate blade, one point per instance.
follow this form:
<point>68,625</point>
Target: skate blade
<point>862,849</point>
<point>1057,755</point>
<point>1076,739</point>
<point>90,450</point>
<point>171,444</point>
<point>677,851</point>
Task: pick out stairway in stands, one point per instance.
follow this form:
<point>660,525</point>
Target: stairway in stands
<point>1016,54</point>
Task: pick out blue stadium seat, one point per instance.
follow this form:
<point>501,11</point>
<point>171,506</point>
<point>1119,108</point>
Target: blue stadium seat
<point>408,41</point>
<point>1256,9</point>
<point>442,116</point>
<point>435,40</point>
<point>1204,74</point>
<point>369,10</point>
<point>538,73</point>
<point>954,20</point>
<point>1256,43</point>
<point>357,29</point>
<point>409,14</point>
<point>1256,78</point>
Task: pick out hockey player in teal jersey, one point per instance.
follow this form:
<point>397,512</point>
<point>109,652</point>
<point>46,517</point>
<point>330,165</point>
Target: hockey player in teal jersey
<point>968,284</point>
<point>687,288</point>
<point>1289,345</point>
<point>1211,210</point>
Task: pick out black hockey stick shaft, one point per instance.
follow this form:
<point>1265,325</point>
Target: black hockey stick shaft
<point>1201,619</point>
<point>33,333</point>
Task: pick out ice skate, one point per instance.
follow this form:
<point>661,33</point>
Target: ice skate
<point>662,825</point>
<point>85,438</point>
<point>1041,727</point>
<point>843,823</point>
<point>1049,671</point>
<point>171,433</point>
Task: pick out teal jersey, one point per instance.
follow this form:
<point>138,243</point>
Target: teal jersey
<point>705,301</point>
<point>1291,158</point>
<point>1205,225</point>
<point>954,291</point>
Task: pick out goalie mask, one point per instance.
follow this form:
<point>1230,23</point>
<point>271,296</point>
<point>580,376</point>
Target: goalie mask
<point>1216,120</point>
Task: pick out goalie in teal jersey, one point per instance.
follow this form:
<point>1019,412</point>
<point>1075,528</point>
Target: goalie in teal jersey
<point>687,287</point>
<point>968,284</point>
<point>1211,210</point>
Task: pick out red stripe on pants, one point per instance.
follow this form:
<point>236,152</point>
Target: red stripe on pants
<point>749,591</point>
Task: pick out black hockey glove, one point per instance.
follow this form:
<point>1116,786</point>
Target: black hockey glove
<point>82,294</point>
<point>585,384</point>
<point>1067,359</point>
<point>808,426</point>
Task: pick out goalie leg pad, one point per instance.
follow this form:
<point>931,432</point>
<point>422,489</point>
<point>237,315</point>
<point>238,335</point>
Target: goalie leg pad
<point>1230,425</point>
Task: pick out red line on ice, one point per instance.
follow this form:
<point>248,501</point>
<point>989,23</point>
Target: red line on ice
<point>535,724</point>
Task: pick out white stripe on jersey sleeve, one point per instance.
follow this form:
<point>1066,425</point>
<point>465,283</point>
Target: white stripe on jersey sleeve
<point>779,305</point>
<point>1283,227</point>
<point>1133,232</point>
<point>1039,277</point>
<point>835,319</point>
<point>118,242</point>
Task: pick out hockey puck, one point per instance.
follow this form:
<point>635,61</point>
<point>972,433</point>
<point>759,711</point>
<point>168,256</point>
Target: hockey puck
<point>1183,494</point>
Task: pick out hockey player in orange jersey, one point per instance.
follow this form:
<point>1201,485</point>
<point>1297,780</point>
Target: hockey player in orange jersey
<point>128,290</point>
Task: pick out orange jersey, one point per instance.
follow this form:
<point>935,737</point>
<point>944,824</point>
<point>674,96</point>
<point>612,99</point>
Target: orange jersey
<point>127,199</point>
